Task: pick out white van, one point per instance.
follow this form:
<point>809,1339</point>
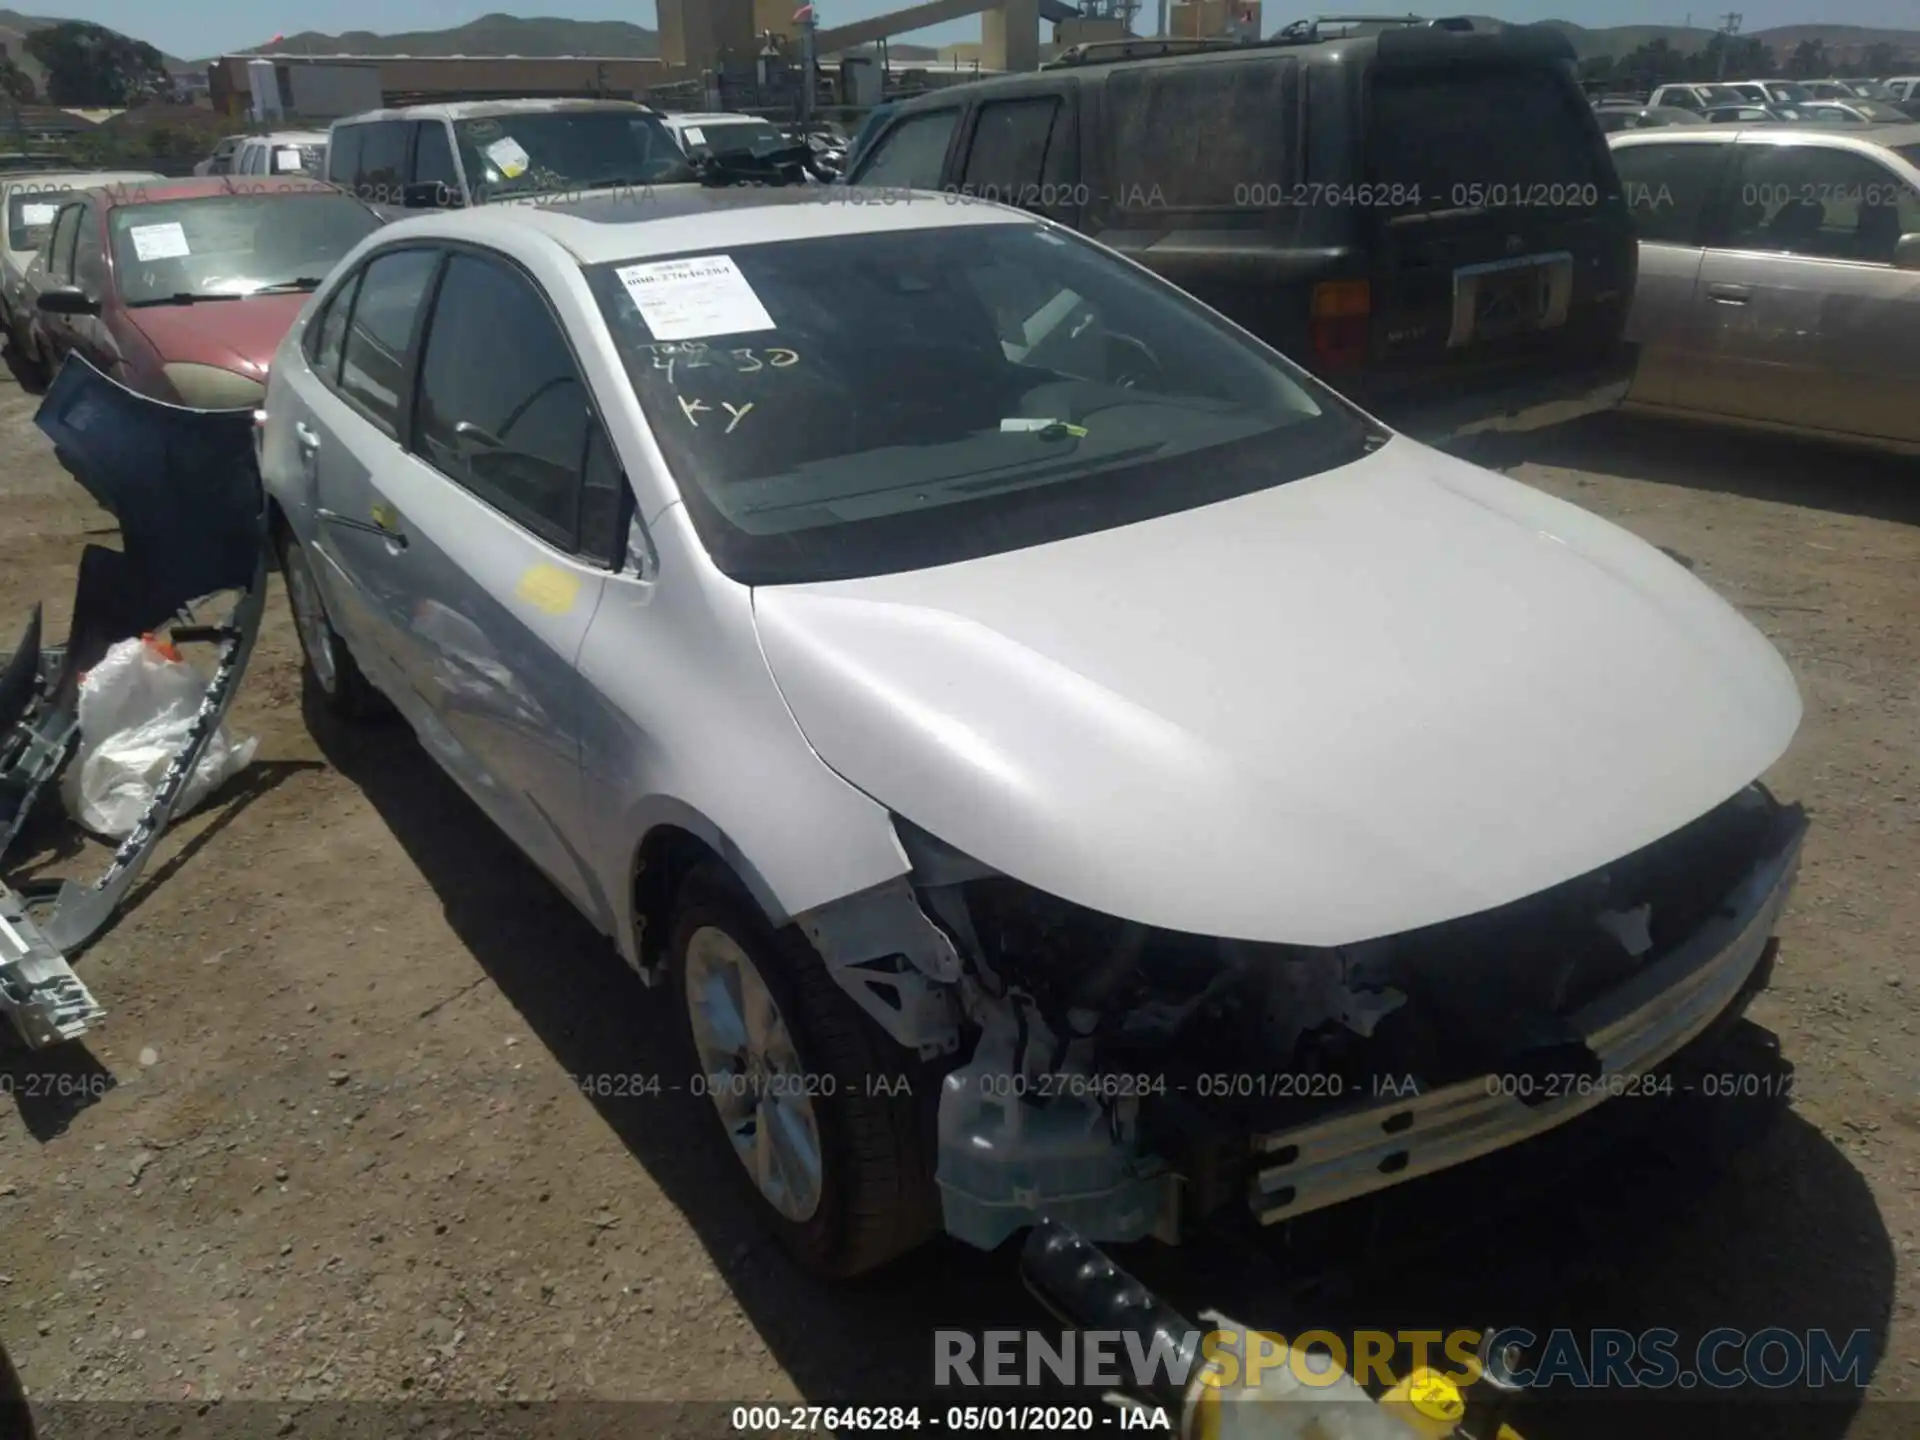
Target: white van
<point>285,152</point>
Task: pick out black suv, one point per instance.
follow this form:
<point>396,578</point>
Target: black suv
<point>1427,217</point>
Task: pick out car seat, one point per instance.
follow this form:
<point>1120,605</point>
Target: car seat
<point>1796,225</point>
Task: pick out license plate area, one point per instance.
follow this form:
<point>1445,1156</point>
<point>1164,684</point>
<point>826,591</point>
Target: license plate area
<point>1526,294</point>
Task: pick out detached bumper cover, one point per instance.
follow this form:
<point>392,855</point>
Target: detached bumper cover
<point>1633,1030</point>
<point>186,491</point>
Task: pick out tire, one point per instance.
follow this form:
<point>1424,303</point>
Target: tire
<point>876,1194</point>
<point>329,669</point>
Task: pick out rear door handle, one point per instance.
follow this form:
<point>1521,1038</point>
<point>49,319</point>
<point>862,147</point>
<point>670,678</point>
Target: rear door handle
<point>1729,294</point>
<point>305,436</point>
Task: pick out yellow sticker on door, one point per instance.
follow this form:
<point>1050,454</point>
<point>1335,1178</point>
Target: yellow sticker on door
<point>549,589</point>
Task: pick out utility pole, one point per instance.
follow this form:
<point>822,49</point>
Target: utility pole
<point>1727,31</point>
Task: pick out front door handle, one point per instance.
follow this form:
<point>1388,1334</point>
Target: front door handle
<point>306,437</point>
<point>1729,294</point>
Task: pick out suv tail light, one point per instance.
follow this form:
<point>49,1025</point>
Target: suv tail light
<point>1342,311</point>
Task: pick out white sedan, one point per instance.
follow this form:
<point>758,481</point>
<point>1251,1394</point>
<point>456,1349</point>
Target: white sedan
<point>1059,758</point>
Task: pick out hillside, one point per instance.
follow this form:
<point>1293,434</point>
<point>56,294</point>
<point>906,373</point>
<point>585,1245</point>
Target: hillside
<point>15,27</point>
<point>489,35</point>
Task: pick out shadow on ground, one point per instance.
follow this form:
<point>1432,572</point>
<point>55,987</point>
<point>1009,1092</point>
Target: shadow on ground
<point>1701,457</point>
<point>1788,1236</point>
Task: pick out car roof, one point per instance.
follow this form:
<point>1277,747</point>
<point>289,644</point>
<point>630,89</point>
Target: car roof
<point>676,219</point>
<point>67,179</point>
<point>1864,137</point>
<point>483,109</point>
<point>302,137</point>
<point>711,117</point>
<point>202,187</point>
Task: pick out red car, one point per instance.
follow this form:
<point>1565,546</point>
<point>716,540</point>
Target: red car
<point>182,289</point>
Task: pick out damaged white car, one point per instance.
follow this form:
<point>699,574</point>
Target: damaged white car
<point>1061,759</point>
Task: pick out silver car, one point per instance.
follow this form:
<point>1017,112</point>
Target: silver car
<point>1779,280</point>
<point>28,205</point>
<point>1060,759</point>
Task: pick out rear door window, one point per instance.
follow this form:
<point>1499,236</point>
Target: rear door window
<point>374,360</point>
<point>1201,137</point>
<point>1477,139</point>
<point>911,154</point>
<point>1008,154</point>
<point>1668,188</point>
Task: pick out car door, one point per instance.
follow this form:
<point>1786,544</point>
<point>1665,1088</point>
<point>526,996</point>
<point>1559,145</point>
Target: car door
<point>56,272</point>
<point>92,335</point>
<point>1668,185</point>
<point>1808,321</point>
<point>911,153</point>
<point>347,428</point>
<point>512,502</point>
<point>433,174</point>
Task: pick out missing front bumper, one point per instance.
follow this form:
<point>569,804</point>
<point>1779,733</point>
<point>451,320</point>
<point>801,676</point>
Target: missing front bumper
<point>1632,1031</point>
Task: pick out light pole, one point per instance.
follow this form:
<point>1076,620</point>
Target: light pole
<point>803,17</point>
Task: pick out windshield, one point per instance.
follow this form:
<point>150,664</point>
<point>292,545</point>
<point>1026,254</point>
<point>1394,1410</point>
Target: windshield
<point>1787,93</point>
<point>1476,139</point>
<point>549,150</point>
<point>733,137</point>
<point>1870,90</point>
<point>865,404</point>
<point>30,213</point>
<point>1880,111</point>
<point>232,245</point>
<point>1721,95</point>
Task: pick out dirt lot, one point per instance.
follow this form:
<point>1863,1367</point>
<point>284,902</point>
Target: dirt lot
<point>330,1142</point>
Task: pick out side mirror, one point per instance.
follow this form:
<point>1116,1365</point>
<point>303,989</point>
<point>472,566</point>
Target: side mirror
<point>1906,255</point>
<point>72,300</point>
<point>429,195</point>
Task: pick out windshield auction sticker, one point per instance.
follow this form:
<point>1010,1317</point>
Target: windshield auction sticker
<point>38,214</point>
<point>694,299</point>
<point>159,242</point>
<point>510,157</point>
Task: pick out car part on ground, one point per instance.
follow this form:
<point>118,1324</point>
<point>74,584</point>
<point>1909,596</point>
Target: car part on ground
<point>185,490</point>
<point>1243,1383</point>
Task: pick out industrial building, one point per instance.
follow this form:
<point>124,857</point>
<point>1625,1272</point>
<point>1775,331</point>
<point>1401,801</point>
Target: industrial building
<point>709,49</point>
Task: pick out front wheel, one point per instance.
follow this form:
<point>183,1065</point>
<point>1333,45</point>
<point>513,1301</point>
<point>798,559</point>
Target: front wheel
<point>330,666</point>
<point>827,1120</point>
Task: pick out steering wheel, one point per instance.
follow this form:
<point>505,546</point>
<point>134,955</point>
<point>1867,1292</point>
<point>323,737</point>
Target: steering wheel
<point>1131,362</point>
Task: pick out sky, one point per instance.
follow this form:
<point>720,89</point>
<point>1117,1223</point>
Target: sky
<point>194,29</point>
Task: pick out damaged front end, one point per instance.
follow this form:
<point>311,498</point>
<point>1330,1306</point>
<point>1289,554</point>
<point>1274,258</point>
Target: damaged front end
<point>1132,1082</point>
<point>185,489</point>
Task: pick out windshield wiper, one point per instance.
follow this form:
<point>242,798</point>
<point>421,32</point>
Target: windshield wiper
<point>181,297</point>
<point>287,287</point>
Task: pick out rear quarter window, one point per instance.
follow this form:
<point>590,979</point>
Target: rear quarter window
<point>1518,138</point>
<point>1216,136</point>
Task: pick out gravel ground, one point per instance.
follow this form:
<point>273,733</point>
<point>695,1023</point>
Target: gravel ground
<point>331,1142</point>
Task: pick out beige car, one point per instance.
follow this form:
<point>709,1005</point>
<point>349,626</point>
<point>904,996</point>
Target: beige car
<point>1779,282</point>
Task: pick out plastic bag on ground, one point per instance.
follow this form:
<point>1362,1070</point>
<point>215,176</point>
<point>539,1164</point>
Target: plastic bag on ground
<point>136,707</point>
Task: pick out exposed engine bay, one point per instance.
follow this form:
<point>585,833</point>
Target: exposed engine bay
<point>1135,1082</point>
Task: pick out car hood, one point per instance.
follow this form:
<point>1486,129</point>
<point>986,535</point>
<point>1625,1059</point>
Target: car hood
<point>1389,695</point>
<point>237,335</point>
